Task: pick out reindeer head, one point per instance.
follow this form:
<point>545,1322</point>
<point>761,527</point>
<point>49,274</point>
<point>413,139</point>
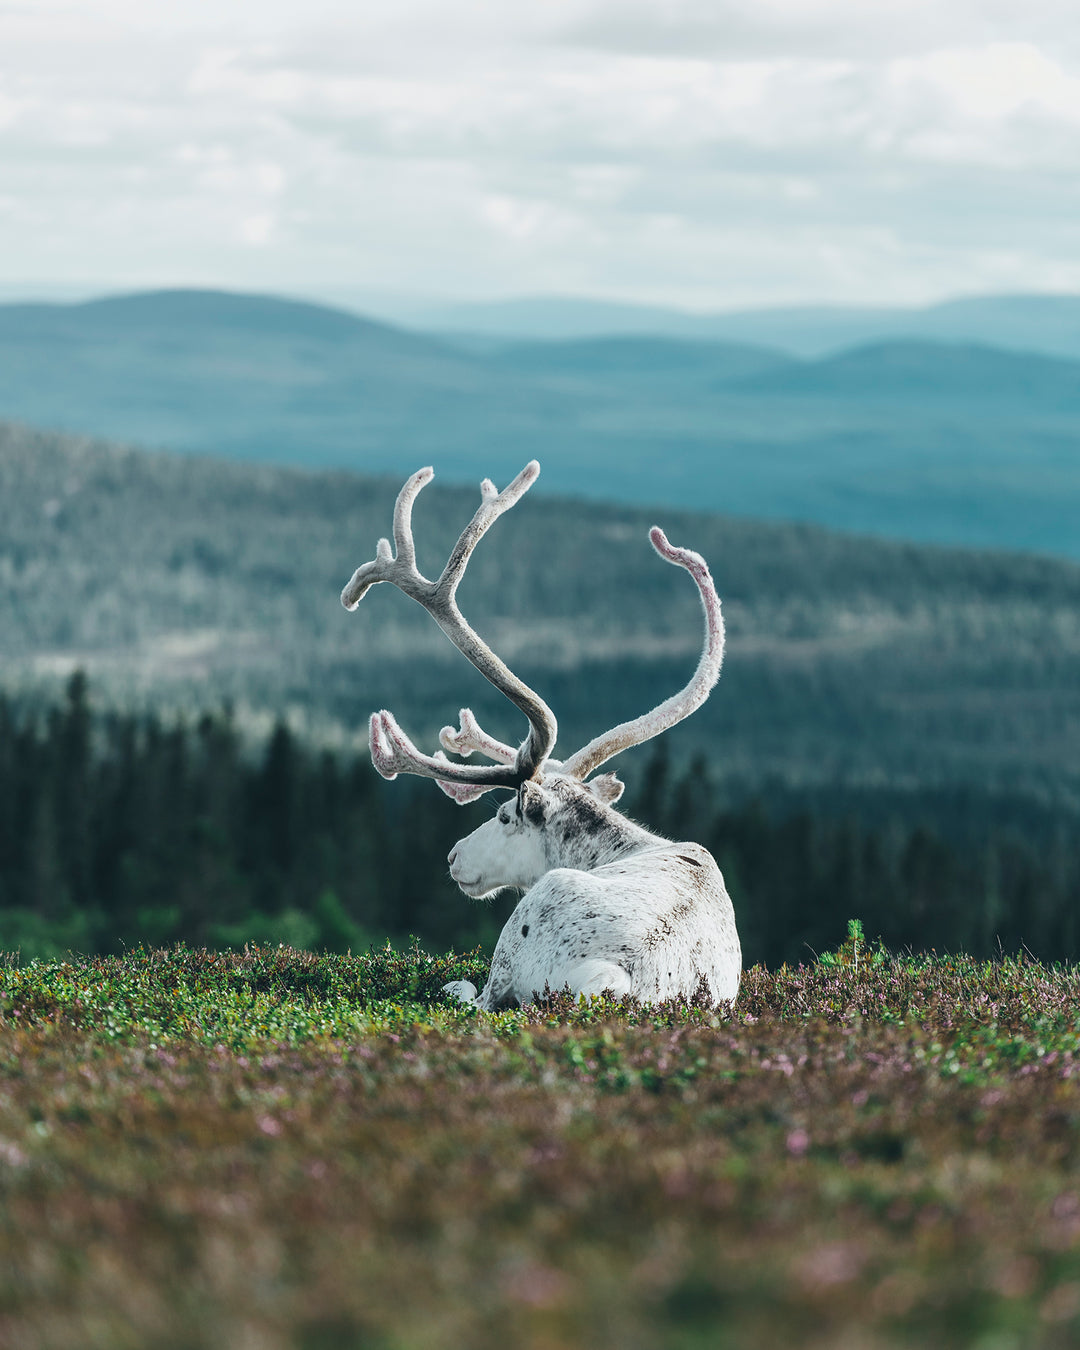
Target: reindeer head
<point>555,800</point>
<point>557,823</point>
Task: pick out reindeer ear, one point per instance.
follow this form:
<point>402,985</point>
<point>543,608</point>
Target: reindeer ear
<point>531,802</point>
<point>607,788</point>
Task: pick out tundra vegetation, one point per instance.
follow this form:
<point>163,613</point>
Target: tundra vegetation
<point>272,1148</point>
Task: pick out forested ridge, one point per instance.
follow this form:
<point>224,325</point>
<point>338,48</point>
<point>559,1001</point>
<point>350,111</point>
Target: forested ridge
<point>181,583</point>
<point>119,828</point>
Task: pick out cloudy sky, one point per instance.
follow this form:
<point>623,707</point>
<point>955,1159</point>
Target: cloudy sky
<point>702,153</point>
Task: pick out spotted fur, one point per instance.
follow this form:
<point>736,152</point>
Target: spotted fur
<point>608,906</point>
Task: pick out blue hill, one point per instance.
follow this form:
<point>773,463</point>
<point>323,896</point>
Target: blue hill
<point>954,442</point>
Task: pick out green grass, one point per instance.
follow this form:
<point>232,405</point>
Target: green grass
<point>270,1148</point>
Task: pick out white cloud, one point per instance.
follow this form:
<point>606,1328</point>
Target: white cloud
<point>699,151</point>
<point>257,229</point>
<point>997,81</point>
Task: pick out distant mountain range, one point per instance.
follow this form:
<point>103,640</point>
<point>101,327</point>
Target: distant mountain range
<point>1039,323</point>
<point>957,441</point>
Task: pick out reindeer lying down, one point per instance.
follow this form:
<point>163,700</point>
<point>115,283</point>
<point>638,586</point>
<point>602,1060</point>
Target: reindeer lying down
<point>608,906</point>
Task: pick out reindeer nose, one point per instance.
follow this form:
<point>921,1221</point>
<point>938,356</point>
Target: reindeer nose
<point>452,855</point>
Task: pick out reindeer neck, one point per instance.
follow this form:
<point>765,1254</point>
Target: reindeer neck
<point>593,837</point>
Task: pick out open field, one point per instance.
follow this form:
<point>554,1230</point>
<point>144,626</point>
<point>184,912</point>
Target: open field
<point>276,1149</point>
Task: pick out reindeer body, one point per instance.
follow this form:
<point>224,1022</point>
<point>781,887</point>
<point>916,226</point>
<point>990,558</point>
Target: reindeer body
<point>607,905</point>
<point>616,908</point>
<point>656,925</point>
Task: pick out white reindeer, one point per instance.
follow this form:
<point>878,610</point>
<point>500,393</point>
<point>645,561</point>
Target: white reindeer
<point>608,906</point>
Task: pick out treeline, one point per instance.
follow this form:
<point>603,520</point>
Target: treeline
<point>122,828</point>
<point>118,828</point>
<point>945,868</point>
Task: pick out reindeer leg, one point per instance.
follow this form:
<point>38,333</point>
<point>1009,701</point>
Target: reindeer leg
<point>463,990</point>
<point>498,993</point>
<point>593,977</point>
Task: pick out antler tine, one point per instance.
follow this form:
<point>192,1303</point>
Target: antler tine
<point>392,752</point>
<point>401,569</point>
<point>472,737</point>
<point>391,749</point>
<point>492,506</point>
<point>687,700</point>
<point>403,535</point>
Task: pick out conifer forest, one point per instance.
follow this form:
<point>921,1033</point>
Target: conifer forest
<point>123,828</point>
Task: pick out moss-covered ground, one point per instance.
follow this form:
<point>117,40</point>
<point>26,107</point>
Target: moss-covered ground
<point>271,1149</point>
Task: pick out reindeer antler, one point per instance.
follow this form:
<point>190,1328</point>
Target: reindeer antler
<point>472,736</point>
<point>391,750</point>
<point>640,729</point>
<point>680,705</point>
